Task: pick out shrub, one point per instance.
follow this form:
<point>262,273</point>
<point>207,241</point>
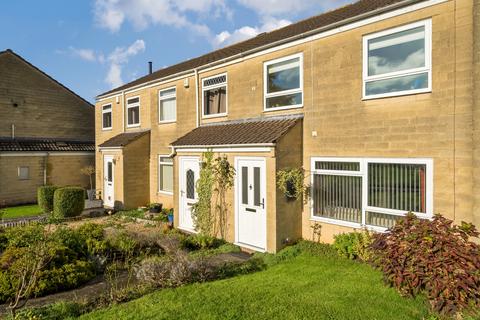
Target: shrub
<point>200,241</point>
<point>354,245</point>
<point>68,202</point>
<point>24,236</point>
<point>55,311</point>
<point>431,256</point>
<point>45,198</point>
<point>93,236</point>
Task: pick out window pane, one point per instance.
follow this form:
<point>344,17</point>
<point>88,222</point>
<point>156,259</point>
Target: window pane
<point>190,179</point>
<point>341,166</point>
<point>107,120</point>
<point>381,219</point>
<point>338,197</point>
<point>283,76</point>
<point>134,100</point>
<point>215,101</point>
<point>396,52</point>
<point>284,101</point>
<point>256,186</point>
<point>133,115</point>
<point>244,185</point>
<point>109,172</point>
<point>166,177</point>
<point>167,109</point>
<point>23,173</point>
<point>412,82</point>
<point>168,92</point>
<point>166,159</point>
<point>397,186</point>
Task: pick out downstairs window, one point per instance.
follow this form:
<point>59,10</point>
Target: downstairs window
<point>371,192</point>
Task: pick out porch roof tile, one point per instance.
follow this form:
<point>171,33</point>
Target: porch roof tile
<point>123,139</point>
<point>249,131</point>
<point>8,144</point>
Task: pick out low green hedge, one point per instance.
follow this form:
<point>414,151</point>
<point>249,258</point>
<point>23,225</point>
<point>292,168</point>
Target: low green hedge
<point>45,198</point>
<point>68,202</point>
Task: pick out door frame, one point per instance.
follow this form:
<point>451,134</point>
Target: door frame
<point>236,199</point>
<point>107,158</point>
<point>180,180</point>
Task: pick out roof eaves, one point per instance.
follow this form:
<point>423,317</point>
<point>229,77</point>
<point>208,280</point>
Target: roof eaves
<point>336,24</point>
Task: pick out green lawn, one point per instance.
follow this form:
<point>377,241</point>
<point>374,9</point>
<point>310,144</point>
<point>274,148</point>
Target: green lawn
<point>21,211</point>
<point>303,287</point>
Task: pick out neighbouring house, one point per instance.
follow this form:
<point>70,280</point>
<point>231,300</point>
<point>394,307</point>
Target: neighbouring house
<point>378,101</point>
<point>46,132</point>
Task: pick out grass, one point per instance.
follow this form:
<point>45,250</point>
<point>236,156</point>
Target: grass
<point>303,286</point>
<point>21,211</point>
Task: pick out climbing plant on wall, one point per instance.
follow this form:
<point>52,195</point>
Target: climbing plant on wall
<point>201,211</point>
<point>216,178</point>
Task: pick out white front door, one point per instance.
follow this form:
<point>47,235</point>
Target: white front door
<point>189,173</point>
<point>251,203</point>
<point>108,181</point>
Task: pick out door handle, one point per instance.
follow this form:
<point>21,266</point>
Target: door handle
<point>263,203</point>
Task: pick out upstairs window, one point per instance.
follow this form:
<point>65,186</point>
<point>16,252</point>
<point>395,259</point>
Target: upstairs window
<point>167,105</point>
<point>133,112</point>
<point>107,117</point>
<point>397,61</point>
<point>215,96</point>
<point>284,83</point>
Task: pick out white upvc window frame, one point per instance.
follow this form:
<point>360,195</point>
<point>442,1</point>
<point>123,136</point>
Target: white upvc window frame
<point>170,96</point>
<point>160,163</point>
<point>427,24</point>
<point>206,88</point>
<point>19,173</point>
<point>133,105</point>
<point>267,95</point>
<point>363,173</point>
<point>111,116</point>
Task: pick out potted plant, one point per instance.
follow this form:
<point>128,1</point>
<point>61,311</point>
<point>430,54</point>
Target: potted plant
<point>155,208</point>
<point>89,171</point>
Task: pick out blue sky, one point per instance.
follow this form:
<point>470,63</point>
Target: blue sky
<point>92,46</point>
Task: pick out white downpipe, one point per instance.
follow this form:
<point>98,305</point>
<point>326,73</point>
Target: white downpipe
<point>197,120</point>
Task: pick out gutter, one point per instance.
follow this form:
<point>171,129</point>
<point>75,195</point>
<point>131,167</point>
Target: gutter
<point>273,44</point>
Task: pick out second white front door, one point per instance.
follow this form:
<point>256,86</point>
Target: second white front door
<point>251,203</point>
<point>189,172</point>
<point>108,182</point>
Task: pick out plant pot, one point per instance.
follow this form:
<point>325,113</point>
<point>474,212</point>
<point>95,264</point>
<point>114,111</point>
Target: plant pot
<point>91,194</point>
<point>170,218</point>
<point>156,208</point>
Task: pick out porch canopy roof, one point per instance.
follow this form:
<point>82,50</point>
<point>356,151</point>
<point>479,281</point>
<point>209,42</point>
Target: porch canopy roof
<point>8,144</point>
<point>123,139</point>
<point>258,131</point>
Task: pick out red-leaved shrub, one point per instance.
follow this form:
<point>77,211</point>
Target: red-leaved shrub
<point>431,256</point>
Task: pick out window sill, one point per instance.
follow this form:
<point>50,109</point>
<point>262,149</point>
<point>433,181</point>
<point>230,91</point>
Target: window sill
<point>213,116</point>
<point>283,108</point>
<point>167,121</point>
<point>107,129</point>
<point>165,193</point>
<point>347,224</point>
<point>133,126</point>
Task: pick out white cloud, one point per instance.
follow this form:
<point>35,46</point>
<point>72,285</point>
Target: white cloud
<point>225,38</point>
<point>112,14</point>
<point>118,58</point>
<point>84,54</point>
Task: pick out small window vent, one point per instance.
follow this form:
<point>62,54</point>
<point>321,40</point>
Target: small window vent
<point>215,81</point>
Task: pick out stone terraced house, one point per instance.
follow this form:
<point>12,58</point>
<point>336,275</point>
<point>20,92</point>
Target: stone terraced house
<point>47,132</point>
<point>378,101</point>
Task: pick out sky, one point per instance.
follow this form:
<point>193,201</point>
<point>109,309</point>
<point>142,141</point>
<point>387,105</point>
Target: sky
<point>92,46</point>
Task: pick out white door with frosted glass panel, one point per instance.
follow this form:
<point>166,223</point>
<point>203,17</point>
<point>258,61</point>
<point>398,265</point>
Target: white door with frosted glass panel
<point>189,173</point>
<point>108,182</point>
<point>251,203</point>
